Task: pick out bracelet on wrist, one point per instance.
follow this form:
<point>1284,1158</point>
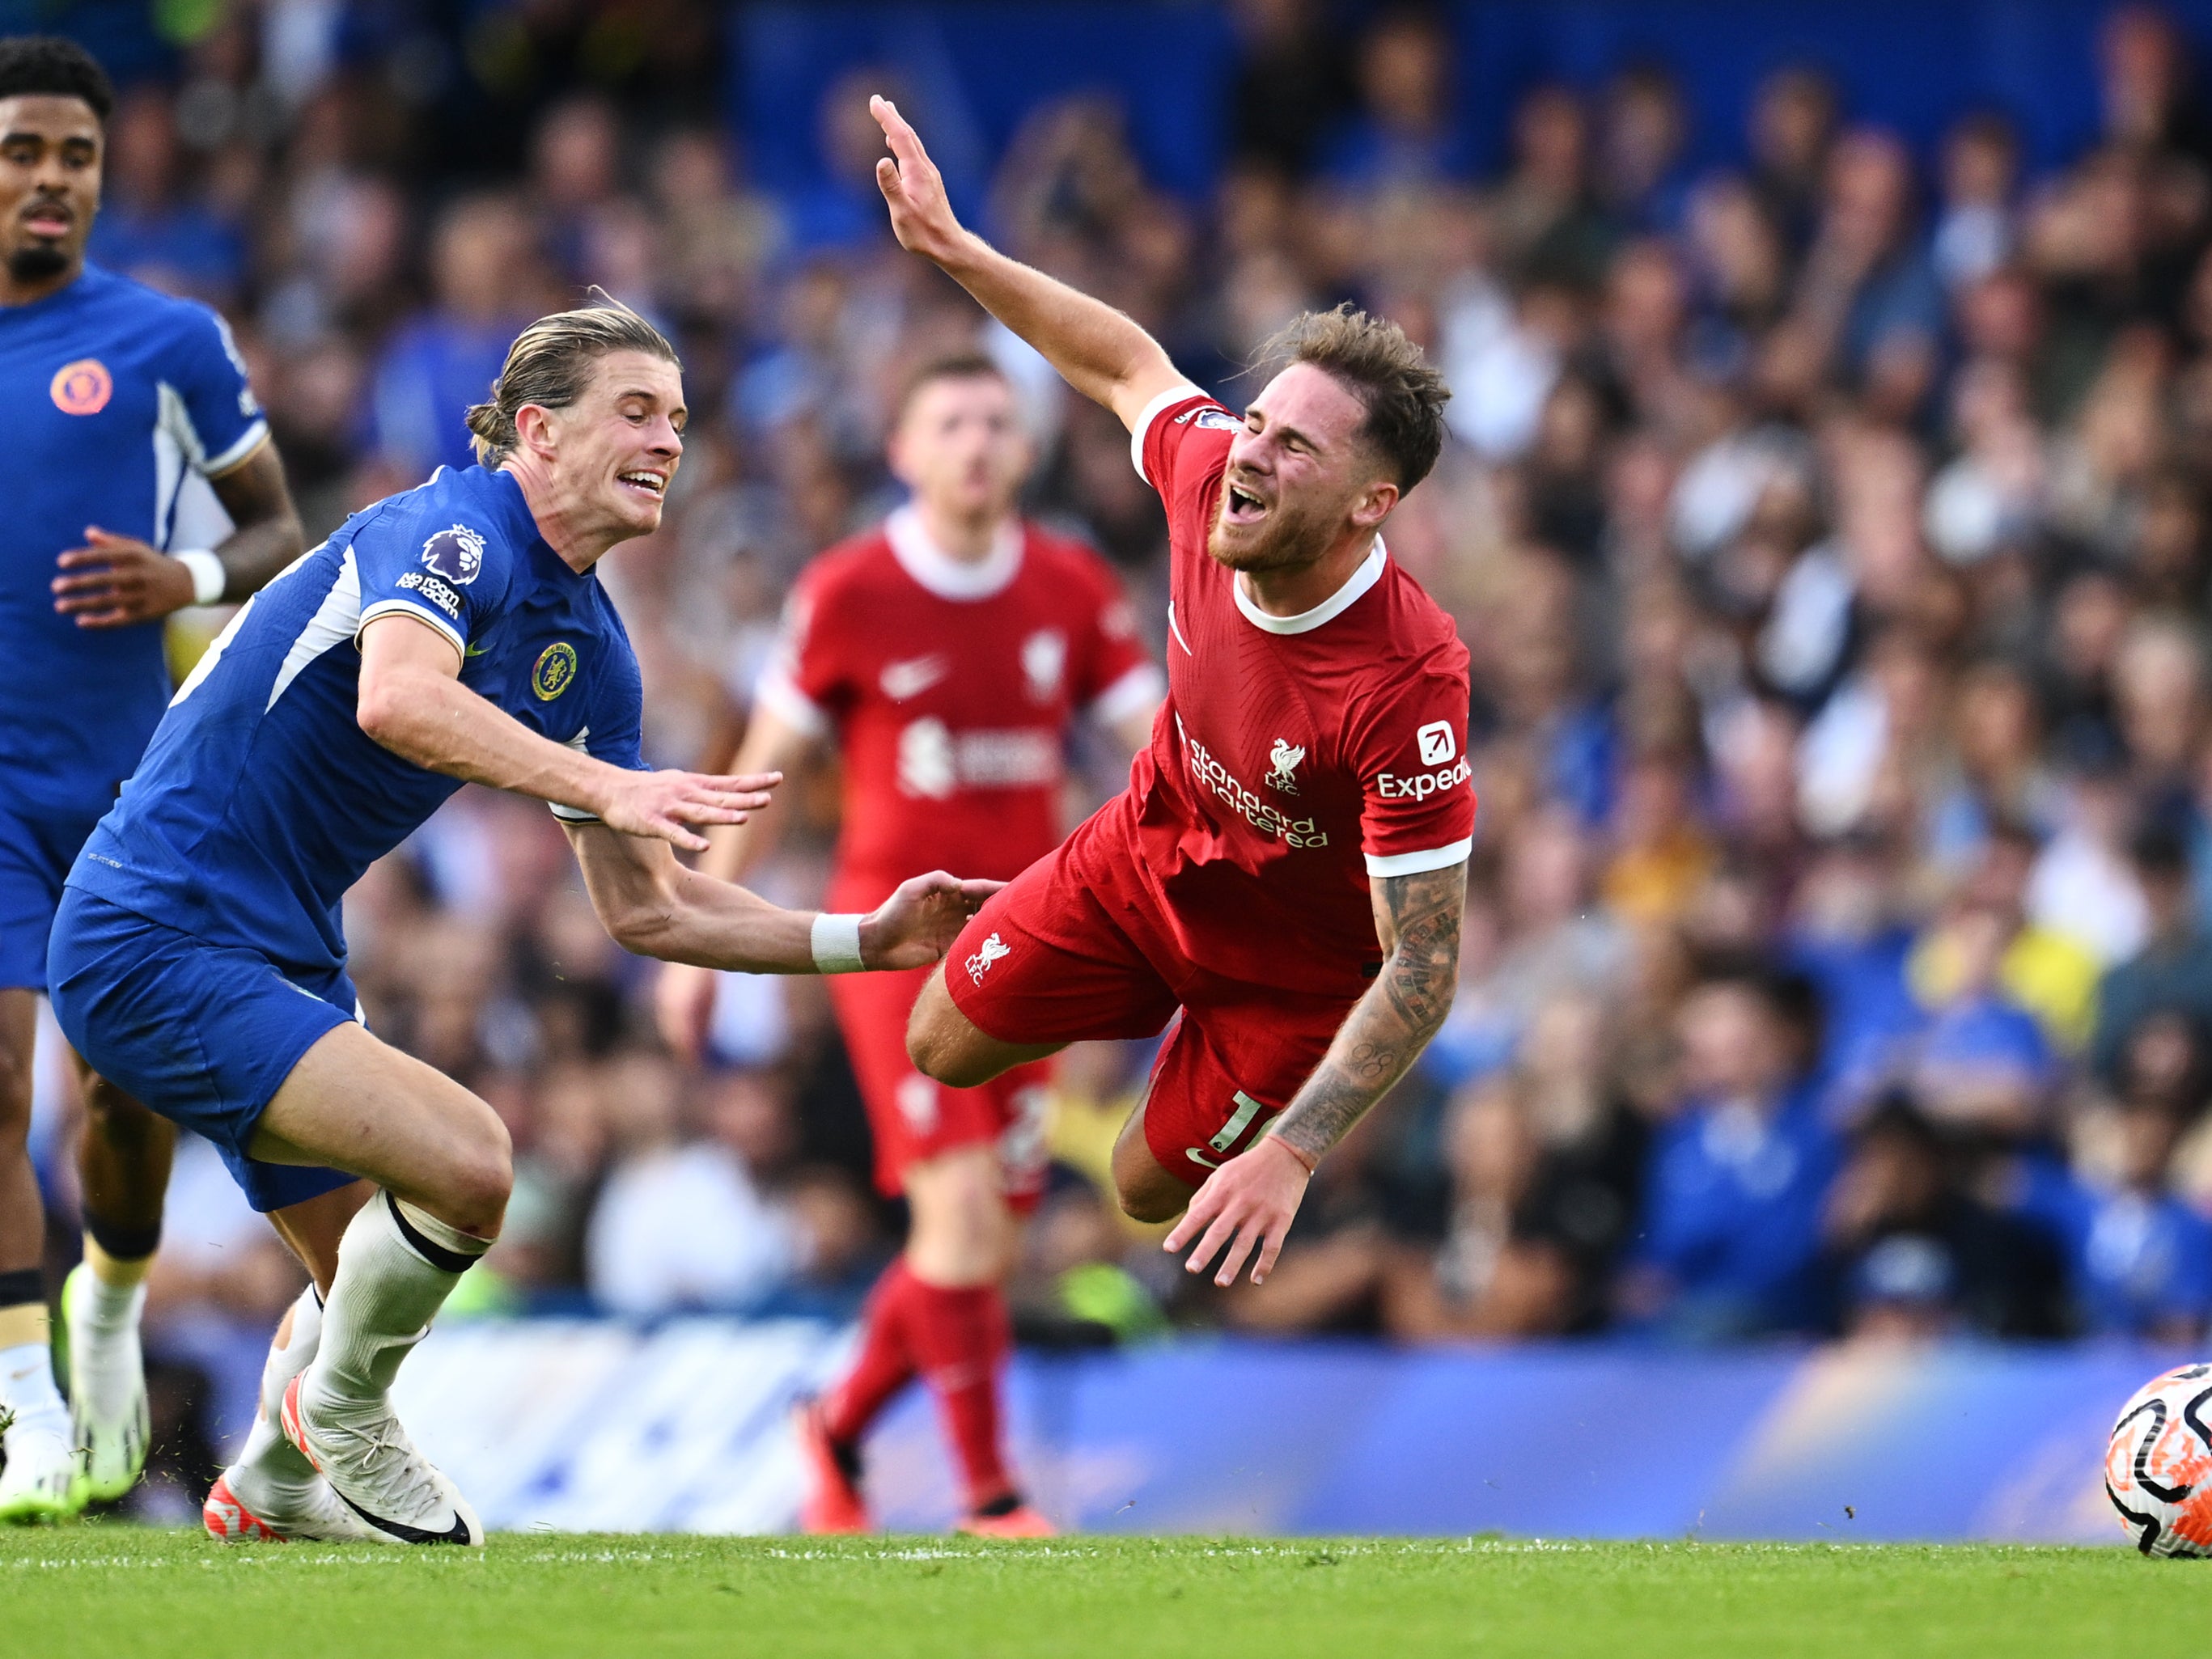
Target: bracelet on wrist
<point>836,942</point>
<point>1310,1163</point>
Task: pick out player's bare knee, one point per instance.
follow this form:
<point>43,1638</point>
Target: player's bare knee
<point>480,1179</point>
<point>943,1045</point>
<point>1151,1205</point>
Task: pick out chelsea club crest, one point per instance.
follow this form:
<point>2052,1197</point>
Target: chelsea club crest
<point>555,668</point>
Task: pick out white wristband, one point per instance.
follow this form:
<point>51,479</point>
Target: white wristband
<point>837,943</point>
<point>209,577</point>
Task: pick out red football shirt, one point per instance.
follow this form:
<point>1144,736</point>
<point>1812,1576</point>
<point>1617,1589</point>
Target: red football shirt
<point>1296,756</point>
<point>949,688</point>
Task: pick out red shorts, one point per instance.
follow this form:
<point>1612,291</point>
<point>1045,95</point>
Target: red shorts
<point>912,1117</point>
<point>1073,949</point>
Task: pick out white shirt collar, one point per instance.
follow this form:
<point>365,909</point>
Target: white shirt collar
<point>943,575</point>
<point>1369,573</point>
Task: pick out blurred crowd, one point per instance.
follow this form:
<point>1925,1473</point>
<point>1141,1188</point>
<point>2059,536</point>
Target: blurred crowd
<point>1831,536</point>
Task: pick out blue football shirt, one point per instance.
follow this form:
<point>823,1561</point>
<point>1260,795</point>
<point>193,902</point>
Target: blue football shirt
<point>110,395</point>
<point>260,800</point>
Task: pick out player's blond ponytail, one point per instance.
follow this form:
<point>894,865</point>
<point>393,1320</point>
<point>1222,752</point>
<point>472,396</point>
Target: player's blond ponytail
<point>550,364</point>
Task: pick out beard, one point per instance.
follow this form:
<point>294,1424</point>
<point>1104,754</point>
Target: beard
<point>1283,540</point>
<point>37,262</point>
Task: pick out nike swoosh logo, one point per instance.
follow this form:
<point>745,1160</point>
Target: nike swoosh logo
<point>1190,1152</point>
<point>457,1534</point>
<point>473,651</point>
<point>1175,630</point>
<point>901,680</point>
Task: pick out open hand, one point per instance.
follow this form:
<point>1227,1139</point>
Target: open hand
<point>115,580</point>
<point>916,925</point>
<point>1247,1202</point>
<point>921,213</point>
<point>664,804</point>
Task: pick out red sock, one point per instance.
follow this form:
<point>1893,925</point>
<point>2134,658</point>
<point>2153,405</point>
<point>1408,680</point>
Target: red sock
<point>958,1338</point>
<point>884,1365</point>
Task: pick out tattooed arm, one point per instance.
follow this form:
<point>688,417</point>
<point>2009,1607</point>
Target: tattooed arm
<point>1248,1201</point>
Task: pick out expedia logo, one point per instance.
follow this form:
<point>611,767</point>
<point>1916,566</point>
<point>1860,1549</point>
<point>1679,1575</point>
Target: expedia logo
<point>83,387</point>
<point>555,668</point>
<point>1421,785</point>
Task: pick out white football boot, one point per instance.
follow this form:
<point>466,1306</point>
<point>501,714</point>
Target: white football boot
<point>108,1391</point>
<point>39,1485</point>
<point>376,1471</point>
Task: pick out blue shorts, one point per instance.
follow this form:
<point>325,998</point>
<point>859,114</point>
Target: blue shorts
<point>203,1033</point>
<point>36,850</point>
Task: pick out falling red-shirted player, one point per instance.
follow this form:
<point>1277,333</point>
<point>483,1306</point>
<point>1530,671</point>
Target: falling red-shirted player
<point>945,653</point>
<point>1287,868</point>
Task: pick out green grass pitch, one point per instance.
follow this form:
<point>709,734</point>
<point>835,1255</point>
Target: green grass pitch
<point>120,1592</point>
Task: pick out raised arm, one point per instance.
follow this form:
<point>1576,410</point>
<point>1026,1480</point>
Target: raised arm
<point>652,905</point>
<point>412,702</point>
<point>1249,1202</point>
<point>1097,349</point>
<point>113,580</point>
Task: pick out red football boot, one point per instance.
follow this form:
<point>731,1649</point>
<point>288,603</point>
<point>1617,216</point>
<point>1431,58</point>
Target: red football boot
<point>833,1504</point>
<point>229,1522</point>
<point>1019,1521</point>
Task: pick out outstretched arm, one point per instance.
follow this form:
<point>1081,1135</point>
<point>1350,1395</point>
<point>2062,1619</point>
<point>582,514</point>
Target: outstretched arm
<point>1097,349</point>
<point>1248,1203</point>
<point>412,702</point>
<point>652,905</point>
<point>683,1000</point>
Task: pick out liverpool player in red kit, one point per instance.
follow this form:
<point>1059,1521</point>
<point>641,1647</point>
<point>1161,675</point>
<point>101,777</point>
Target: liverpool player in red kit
<point>1286,873</point>
<point>945,653</point>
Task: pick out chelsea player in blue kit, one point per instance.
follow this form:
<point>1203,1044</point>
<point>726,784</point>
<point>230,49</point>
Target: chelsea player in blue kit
<point>111,396</point>
<point>454,632</point>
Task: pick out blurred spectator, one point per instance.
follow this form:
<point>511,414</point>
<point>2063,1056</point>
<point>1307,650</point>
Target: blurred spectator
<point>1403,132</point>
<point>1545,1167</point>
<point>1974,232</point>
<point>1644,133</point>
<point>1913,1254</point>
<point>1730,1235</point>
<point>684,1224</point>
<point>485,286</point>
<point>1291,83</point>
<point>2172,974</point>
<point>149,228</point>
<point>2140,1259</point>
<point>1793,122</point>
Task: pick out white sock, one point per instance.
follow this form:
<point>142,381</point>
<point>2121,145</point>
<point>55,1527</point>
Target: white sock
<point>396,1265</point>
<point>270,1460</point>
<point>28,1391</point>
<point>111,1310</point>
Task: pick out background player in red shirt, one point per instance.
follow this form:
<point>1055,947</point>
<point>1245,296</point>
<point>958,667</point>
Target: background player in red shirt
<point>944,653</point>
<point>1286,873</point>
